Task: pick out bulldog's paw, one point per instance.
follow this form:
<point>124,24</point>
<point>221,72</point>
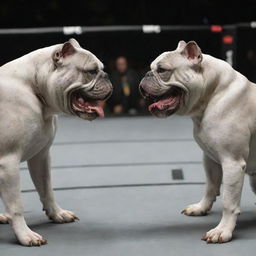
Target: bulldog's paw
<point>30,238</point>
<point>3,218</point>
<point>217,235</point>
<point>62,216</point>
<point>195,210</point>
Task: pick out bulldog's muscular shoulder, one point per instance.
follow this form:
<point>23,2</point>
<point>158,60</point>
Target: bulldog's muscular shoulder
<point>23,127</point>
<point>228,124</point>
<point>222,139</point>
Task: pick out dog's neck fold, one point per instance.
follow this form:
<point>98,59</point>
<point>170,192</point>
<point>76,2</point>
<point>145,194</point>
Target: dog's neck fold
<point>212,72</point>
<point>40,65</point>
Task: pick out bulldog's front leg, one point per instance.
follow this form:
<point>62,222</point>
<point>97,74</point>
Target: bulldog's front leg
<point>40,171</point>
<point>213,174</point>
<point>233,177</point>
<point>10,194</point>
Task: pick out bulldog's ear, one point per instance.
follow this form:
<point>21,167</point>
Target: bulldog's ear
<point>66,50</point>
<point>181,45</point>
<point>74,42</point>
<point>192,52</point>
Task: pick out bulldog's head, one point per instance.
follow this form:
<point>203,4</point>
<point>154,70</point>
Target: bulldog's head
<point>175,82</point>
<point>78,82</point>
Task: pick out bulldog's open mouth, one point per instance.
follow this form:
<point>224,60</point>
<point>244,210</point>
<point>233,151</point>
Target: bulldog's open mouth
<point>82,105</point>
<point>166,104</point>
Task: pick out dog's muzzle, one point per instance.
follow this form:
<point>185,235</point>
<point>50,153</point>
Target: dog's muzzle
<point>89,104</point>
<point>163,100</point>
<point>148,85</point>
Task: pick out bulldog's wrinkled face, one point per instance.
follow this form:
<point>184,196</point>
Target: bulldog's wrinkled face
<point>78,81</point>
<point>175,82</point>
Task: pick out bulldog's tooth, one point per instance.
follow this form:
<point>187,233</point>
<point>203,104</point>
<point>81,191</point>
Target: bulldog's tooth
<point>89,110</point>
<point>80,100</point>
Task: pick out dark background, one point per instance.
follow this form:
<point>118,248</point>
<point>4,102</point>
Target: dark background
<point>139,48</point>
<point>28,13</point>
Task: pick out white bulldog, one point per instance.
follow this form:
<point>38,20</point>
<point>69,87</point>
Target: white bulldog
<point>222,105</point>
<point>62,78</point>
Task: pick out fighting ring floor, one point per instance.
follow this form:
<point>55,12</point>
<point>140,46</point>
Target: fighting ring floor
<point>128,180</point>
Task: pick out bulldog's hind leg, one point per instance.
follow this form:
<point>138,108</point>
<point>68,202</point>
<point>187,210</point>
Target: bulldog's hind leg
<point>39,167</point>
<point>213,173</point>
<point>233,178</point>
<point>10,194</point>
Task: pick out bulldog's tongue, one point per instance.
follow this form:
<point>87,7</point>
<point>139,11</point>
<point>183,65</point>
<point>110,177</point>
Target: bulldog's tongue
<point>96,106</point>
<point>164,104</point>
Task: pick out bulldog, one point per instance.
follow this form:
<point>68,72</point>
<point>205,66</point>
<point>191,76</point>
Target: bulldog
<point>221,103</point>
<point>63,78</point>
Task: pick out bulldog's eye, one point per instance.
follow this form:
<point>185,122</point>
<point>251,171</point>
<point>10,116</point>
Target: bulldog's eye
<point>161,70</point>
<point>93,71</point>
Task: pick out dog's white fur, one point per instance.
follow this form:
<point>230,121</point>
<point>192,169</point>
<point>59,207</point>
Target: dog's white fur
<point>33,89</point>
<point>222,104</point>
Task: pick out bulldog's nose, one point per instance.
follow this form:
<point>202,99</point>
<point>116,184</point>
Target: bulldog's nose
<point>105,75</point>
<point>146,84</point>
<point>149,73</point>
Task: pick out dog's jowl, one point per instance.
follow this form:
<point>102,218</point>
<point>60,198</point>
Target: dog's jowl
<point>222,105</point>
<point>63,78</point>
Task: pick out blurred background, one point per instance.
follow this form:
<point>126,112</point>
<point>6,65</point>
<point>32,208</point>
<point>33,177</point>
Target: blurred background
<point>129,178</point>
<point>113,31</point>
